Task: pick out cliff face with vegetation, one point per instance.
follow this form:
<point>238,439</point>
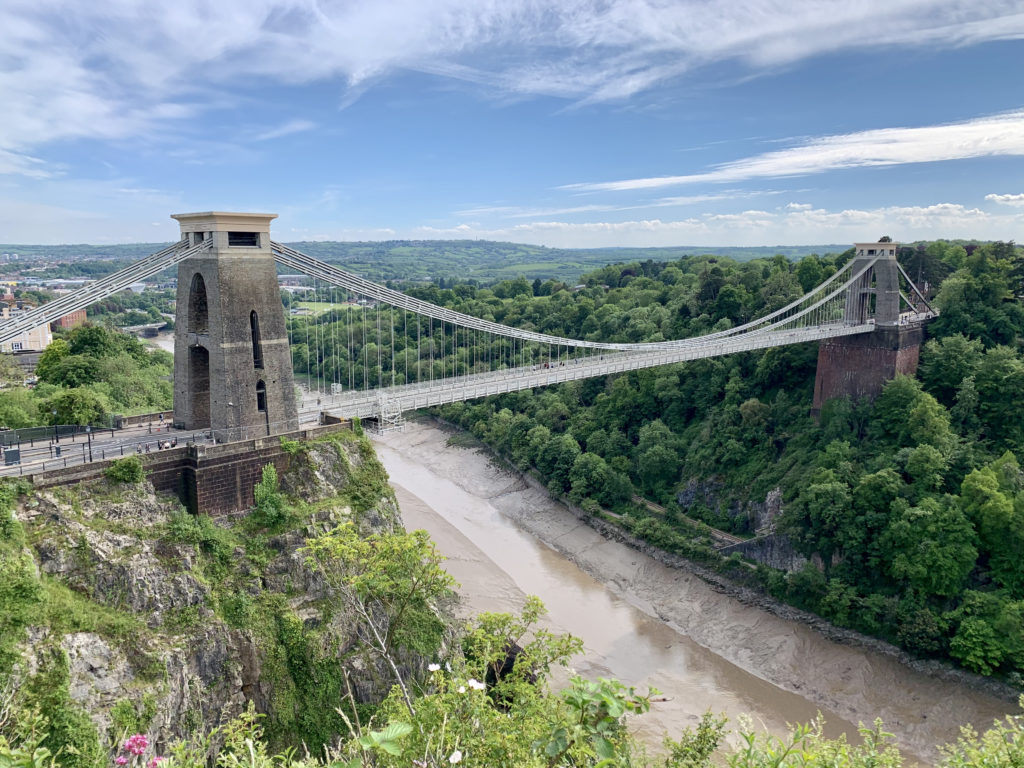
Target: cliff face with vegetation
<point>121,613</point>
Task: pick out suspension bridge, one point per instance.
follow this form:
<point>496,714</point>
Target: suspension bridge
<point>376,352</point>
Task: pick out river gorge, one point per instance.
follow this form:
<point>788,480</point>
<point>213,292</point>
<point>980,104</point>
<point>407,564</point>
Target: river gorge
<point>651,625</point>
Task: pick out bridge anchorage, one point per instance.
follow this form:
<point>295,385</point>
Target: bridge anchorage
<point>235,350</point>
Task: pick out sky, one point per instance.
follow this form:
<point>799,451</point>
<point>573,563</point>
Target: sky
<point>566,123</point>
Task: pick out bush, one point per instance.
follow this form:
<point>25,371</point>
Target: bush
<point>269,509</point>
<point>126,470</point>
<point>216,543</point>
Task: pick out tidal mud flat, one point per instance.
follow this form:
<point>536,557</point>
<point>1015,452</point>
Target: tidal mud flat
<point>650,624</point>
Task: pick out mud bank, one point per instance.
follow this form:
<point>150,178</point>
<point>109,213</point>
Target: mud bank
<point>649,622</point>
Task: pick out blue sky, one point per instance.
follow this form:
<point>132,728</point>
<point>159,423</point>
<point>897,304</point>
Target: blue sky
<point>570,123</point>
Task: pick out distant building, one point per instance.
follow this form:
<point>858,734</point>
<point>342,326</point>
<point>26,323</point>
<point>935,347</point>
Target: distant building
<point>70,320</point>
<point>35,340</point>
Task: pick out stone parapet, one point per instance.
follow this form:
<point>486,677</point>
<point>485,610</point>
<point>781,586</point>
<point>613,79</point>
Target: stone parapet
<point>209,479</point>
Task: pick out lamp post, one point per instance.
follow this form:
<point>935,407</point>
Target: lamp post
<point>88,436</point>
<point>56,432</point>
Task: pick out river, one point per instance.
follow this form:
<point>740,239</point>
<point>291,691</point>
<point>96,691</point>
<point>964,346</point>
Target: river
<point>650,625</point>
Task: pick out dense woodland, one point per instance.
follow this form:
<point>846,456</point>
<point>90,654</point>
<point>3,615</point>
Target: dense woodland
<point>911,508</point>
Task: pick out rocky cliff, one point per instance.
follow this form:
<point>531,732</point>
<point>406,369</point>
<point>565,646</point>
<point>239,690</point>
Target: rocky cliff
<point>123,613</point>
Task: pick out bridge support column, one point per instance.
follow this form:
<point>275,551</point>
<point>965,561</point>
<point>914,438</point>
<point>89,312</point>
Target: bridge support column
<point>857,367</point>
<point>232,363</point>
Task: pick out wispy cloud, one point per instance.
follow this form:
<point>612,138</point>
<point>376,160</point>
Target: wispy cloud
<point>517,212</point>
<point>285,129</point>
<point>131,69</point>
<point>1015,200</point>
<point>20,164</point>
<point>989,136</point>
<point>791,224</point>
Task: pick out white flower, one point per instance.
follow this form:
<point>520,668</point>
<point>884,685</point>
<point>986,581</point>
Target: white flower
<point>433,667</point>
<point>475,685</point>
<point>456,757</point>
<point>462,689</point>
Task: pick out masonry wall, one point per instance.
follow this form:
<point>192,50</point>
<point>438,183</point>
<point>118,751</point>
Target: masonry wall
<point>857,367</point>
<point>213,480</point>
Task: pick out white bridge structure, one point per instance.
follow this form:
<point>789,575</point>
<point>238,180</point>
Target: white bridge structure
<point>869,293</point>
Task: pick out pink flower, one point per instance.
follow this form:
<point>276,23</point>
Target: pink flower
<point>121,760</point>
<point>156,761</point>
<point>136,744</point>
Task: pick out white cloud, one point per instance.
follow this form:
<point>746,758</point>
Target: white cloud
<point>286,129</point>
<point>1014,200</point>
<point>20,164</point>
<point>131,68</point>
<point>517,212</point>
<point>804,225</point>
<point>988,136</point>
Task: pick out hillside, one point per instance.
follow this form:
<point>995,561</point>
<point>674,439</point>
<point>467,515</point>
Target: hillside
<point>481,260</point>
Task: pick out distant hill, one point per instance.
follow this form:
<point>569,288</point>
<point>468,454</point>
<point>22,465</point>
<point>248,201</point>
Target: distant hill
<point>482,260</point>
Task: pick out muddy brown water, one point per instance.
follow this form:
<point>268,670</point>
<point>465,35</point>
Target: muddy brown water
<point>650,625</point>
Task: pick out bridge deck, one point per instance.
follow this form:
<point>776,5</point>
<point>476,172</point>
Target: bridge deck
<point>391,401</point>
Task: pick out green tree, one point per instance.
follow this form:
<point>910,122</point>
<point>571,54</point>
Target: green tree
<point>1000,384</point>
<point>76,406</point>
<point>391,582</point>
<point>946,362</point>
<point>556,459</point>
<point>931,547</point>
<point>56,351</point>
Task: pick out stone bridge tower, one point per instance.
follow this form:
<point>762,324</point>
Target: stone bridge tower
<point>858,366</point>
<point>232,364</point>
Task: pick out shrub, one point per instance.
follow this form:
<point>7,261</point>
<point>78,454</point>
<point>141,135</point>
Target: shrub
<point>126,470</point>
<point>269,509</point>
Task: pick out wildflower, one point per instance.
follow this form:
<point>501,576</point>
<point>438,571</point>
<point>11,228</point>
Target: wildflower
<point>456,757</point>
<point>462,689</point>
<point>475,684</point>
<point>136,744</point>
<point>433,667</point>
<point>156,761</point>
<point>121,760</point>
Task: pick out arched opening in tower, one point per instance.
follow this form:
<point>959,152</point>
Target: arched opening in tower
<point>198,310</point>
<point>199,384</point>
<point>257,347</point>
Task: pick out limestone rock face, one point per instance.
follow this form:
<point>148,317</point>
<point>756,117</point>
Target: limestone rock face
<point>190,619</point>
<point>753,516</point>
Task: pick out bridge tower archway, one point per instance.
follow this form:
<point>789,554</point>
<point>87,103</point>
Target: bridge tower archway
<point>232,371</point>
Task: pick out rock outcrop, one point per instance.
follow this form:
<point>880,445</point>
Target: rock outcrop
<point>171,623</point>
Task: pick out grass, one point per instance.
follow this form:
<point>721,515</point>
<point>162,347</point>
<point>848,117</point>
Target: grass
<point>68,611</point>
<point>319,307</point>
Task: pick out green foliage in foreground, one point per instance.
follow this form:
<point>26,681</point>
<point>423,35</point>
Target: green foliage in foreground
<point>459,721</point>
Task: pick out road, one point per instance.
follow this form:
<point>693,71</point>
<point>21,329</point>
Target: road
<point>41,455</point>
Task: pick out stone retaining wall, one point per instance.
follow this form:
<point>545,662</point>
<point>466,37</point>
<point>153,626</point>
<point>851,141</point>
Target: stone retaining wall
<point>211,479</point>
